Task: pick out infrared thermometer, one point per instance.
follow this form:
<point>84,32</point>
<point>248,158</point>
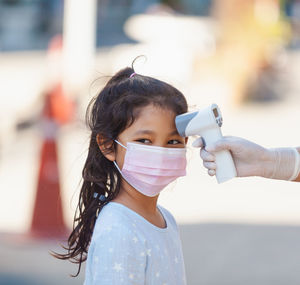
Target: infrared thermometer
<point>207,124</point>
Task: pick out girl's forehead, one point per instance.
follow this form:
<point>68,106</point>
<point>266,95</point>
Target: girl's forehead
<point>154,118</point>
<point>151,111</point>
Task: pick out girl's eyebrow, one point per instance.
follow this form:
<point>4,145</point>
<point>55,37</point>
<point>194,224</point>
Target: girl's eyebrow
<point>149,132</point>
<point>175,132</point>
<point>143,132</point>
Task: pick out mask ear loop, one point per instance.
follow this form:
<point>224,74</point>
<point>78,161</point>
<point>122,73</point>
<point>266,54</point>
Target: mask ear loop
<point>120,144</point>
<point>115,163</point>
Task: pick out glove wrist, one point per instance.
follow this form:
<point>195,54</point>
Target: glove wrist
<point>268,160</point>
<point>281,163</point>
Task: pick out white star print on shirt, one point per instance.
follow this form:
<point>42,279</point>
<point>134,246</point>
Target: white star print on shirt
<point>149,252</point>
<point>118,267</point>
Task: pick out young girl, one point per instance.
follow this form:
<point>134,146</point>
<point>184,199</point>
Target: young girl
<point>134,152</point>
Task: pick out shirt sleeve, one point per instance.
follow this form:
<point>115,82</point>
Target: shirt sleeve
<point>118,257</point>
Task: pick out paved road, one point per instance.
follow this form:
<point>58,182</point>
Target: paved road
<point>215,254</point>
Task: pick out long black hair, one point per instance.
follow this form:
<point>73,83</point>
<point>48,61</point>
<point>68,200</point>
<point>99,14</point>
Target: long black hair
<point>108,114</point>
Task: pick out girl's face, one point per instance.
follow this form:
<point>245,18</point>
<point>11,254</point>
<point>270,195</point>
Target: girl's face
<point>154,126</point>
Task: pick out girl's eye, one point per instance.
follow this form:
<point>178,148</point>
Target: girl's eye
<point>143,141</point>
<point>174,142</point>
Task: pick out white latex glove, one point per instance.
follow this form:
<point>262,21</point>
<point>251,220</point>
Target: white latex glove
<point>251,159</point>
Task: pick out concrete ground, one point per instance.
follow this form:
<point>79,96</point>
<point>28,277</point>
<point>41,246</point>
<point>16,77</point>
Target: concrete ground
<point>232,254</point>
<point>215,254</point>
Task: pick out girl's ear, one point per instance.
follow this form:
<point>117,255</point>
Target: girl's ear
<point>106,148</point>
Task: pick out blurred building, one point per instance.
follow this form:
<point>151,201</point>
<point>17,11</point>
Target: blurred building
<point>30,24</point>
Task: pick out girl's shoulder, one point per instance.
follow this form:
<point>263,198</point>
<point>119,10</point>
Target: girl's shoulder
<point>113,216</point>
<point>117,220</point>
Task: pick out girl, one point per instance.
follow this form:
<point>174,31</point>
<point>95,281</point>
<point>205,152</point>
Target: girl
<point>134,152</point>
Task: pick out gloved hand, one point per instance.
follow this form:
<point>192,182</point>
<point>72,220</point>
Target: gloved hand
<point>251,159</point>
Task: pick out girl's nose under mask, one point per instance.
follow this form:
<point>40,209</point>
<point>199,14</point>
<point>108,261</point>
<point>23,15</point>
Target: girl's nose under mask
<point>149,169</point>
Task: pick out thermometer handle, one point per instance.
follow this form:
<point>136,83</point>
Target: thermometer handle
<point>225,165</point>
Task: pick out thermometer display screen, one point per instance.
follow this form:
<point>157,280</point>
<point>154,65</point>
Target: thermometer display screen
<point>216,112</point>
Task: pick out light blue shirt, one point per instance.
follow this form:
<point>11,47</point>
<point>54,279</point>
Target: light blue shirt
<point>127,249</point>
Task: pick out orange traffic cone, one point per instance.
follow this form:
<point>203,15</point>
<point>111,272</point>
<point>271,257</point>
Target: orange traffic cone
<point>47,220</point>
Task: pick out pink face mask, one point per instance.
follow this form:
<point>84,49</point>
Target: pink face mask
<point>149,169</point>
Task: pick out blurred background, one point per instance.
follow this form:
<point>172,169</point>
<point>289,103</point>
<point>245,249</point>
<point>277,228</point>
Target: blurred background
<point>56,55</point>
